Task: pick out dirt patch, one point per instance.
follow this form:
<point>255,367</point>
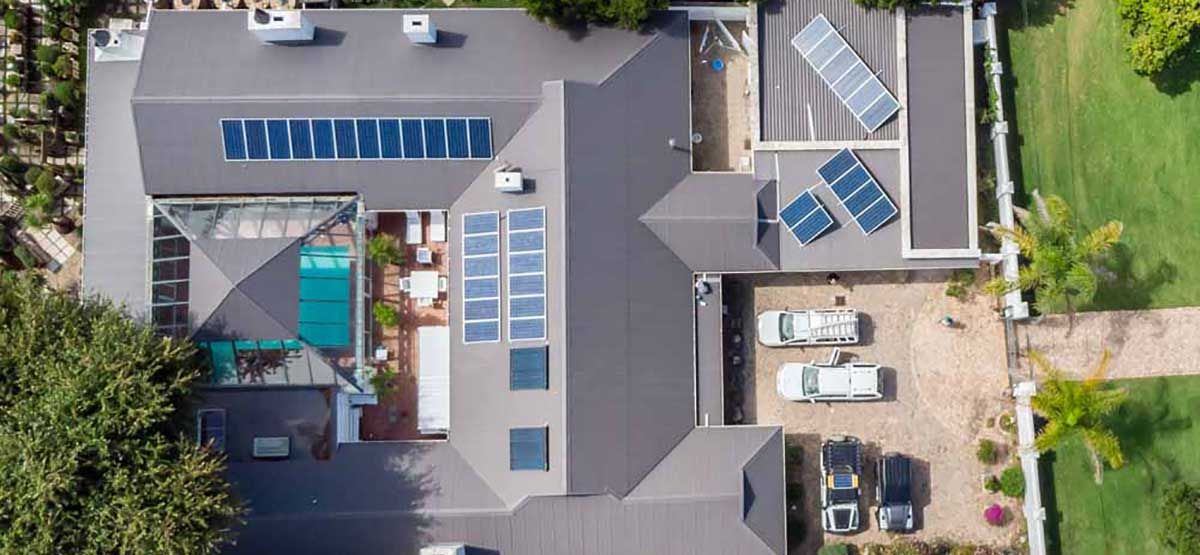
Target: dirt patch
<point>942,385</point>
<point>720,101</point>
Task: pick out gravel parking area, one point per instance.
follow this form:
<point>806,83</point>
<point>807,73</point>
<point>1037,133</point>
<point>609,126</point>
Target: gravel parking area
<point>941,385</point>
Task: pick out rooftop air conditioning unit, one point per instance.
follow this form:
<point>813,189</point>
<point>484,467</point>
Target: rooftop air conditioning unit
<point>509,181</point>
<point>272,447</point>
<point>280,26</point>
<point>420,29</point>
<point>116,46</point>
<point>444,549</point>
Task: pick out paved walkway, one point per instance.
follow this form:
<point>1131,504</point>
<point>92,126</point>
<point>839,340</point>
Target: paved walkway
<point>1144,343</point>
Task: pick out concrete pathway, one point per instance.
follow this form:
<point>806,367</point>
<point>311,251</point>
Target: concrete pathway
<point>1144,343</point>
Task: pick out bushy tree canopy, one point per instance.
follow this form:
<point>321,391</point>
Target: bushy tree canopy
<point>630,14</point>
<point>92,457</point>
<point>1179,518</point>
<point>1160,31</point>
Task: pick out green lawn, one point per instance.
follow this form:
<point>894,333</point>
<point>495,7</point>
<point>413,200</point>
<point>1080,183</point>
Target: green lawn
<point>1161,445</point>
<point>1111,143</point>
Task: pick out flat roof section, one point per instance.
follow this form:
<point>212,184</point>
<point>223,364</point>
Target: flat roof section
<point>937,129</point>
<point>789,86</point>
<point>844,246</point>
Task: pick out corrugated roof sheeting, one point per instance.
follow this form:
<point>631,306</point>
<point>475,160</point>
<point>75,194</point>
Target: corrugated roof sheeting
<point>788,84</point>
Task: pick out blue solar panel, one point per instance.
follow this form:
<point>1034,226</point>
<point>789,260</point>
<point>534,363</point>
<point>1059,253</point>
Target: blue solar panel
<point>827,52</point>
<point>530,329</point>
<point>256,139</point>
<point>527,368</point>
<point>345,136</point>
<point>876,215</point>
<point>456,138</point>
<point>435,138</point>
<point>481,138</point>
<point>277,138</point>
<point>481,310</point>
<point>530,218</point>
<point>525,241</point>
<point>805,217</point>
<point>527,449</point>
<point>322,130</point>
<point>389,138</point>
<point>481,244</point>
<point>488,222</point>
<point>798,209</point>
<point>413,138</point>
<point>301,139</point>
<point>480,288</point>
<point>483,331</point>
<point>528,263</point>
<point>843,481</point>
<point>368,138</point>
<point>533,284</point>
<point>234,137</point>
<point>836,166</point>
<point>859,193</point>
<point>481,266</point>
<point>524,307</point>
<point>357,139</point>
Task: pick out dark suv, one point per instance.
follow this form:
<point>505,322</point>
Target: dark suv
<point>893,489</point>
<point>841,469</point>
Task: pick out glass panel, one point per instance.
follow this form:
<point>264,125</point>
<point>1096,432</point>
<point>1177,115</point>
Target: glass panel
<point>275,220</point>
<point>250,223</point>
<point>227,221</point>
<point>200,219</point>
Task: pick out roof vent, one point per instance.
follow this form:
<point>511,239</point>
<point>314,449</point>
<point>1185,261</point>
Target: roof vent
<point>280,26</point>
<point>118,46</point>
<point>420,29</point>
<point>509,180</point>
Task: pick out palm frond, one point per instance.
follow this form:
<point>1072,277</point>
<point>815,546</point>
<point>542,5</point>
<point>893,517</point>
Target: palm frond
<point>1101,239</point>
<point>1058,213</point>
<point>1101,368</point>
<point>1025,241</point>
<point>1104,443</point>
<point>1080,282</point>
<point>1044,365</point>
<point>999,286</point>
<point>1105,402</point>
<point>1052,434</point>
<point>1028,278</point>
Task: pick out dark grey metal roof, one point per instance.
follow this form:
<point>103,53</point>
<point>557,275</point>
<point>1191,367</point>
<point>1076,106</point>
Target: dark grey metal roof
<point>937,128</point>
<point>844,247</point>
<point>787,84</point>
<point>711,221</point>
<point>114,206</point>
<point>245,288</point>
<point>710,355</point>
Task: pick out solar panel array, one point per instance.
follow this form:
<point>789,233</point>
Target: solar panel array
<point>357,139</point>
<point>857,190</point>
<point>805,217</point>
<point>481,277</point>
<point>843,71</point>
<point>527,274</point>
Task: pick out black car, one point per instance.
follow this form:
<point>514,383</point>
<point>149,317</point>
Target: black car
<point>893,488</point>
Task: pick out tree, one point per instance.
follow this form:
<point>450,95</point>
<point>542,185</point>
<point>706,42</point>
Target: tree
<point>884,4</point>
<point>382,249</point>
<point>93,457</point>
<point>385,314</point>
<point>630,14</point>
<point>1061,266</point>
<point>1160,32</point>
<point>1179,518</point>
<point>1078,408</point>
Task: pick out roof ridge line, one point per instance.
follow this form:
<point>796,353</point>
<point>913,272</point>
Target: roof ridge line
<point>208,99</point>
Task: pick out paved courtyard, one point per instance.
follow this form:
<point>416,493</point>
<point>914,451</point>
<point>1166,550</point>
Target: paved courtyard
<point>941,386</point>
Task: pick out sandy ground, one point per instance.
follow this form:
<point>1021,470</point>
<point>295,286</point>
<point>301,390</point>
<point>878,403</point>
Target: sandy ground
<point>720,104</point>
<point>941,386</point>
<point>1143,343</point>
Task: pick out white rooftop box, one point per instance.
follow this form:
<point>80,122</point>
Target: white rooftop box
<point>280,26</point>
<point>508,181</point>
<point>419,28</point>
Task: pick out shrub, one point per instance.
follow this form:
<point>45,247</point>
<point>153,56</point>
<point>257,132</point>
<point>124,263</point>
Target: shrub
<point>994,515</point>
<point>1179,518</point>
<point>959,284</point>
<point>46,182</point>
<point>385,314</point>
<point>1012,481</point>
<point>884,4</point>
<point>629,14</point>
<point>9,164</point>
<point>14,19</point>
<point>65,93</point>
<point>834,549</point>
<point>383,249</point>
<point>992,484</point>
<point>1007,423</point>
<point>33,173</point>
<point>47,53</point>
<point>12,80</point>
<point>28,261</point>
<point>62,67</point>
<point>986,453</point>
<point>381,382</point>
<point>12,132</point>
<point>37,209</point>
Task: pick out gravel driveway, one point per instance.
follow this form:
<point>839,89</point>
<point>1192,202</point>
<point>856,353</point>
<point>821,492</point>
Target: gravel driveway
<point>941,385</point>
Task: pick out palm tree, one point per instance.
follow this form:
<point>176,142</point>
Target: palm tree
<point>1078,408</point>
<point>1061,267</point>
